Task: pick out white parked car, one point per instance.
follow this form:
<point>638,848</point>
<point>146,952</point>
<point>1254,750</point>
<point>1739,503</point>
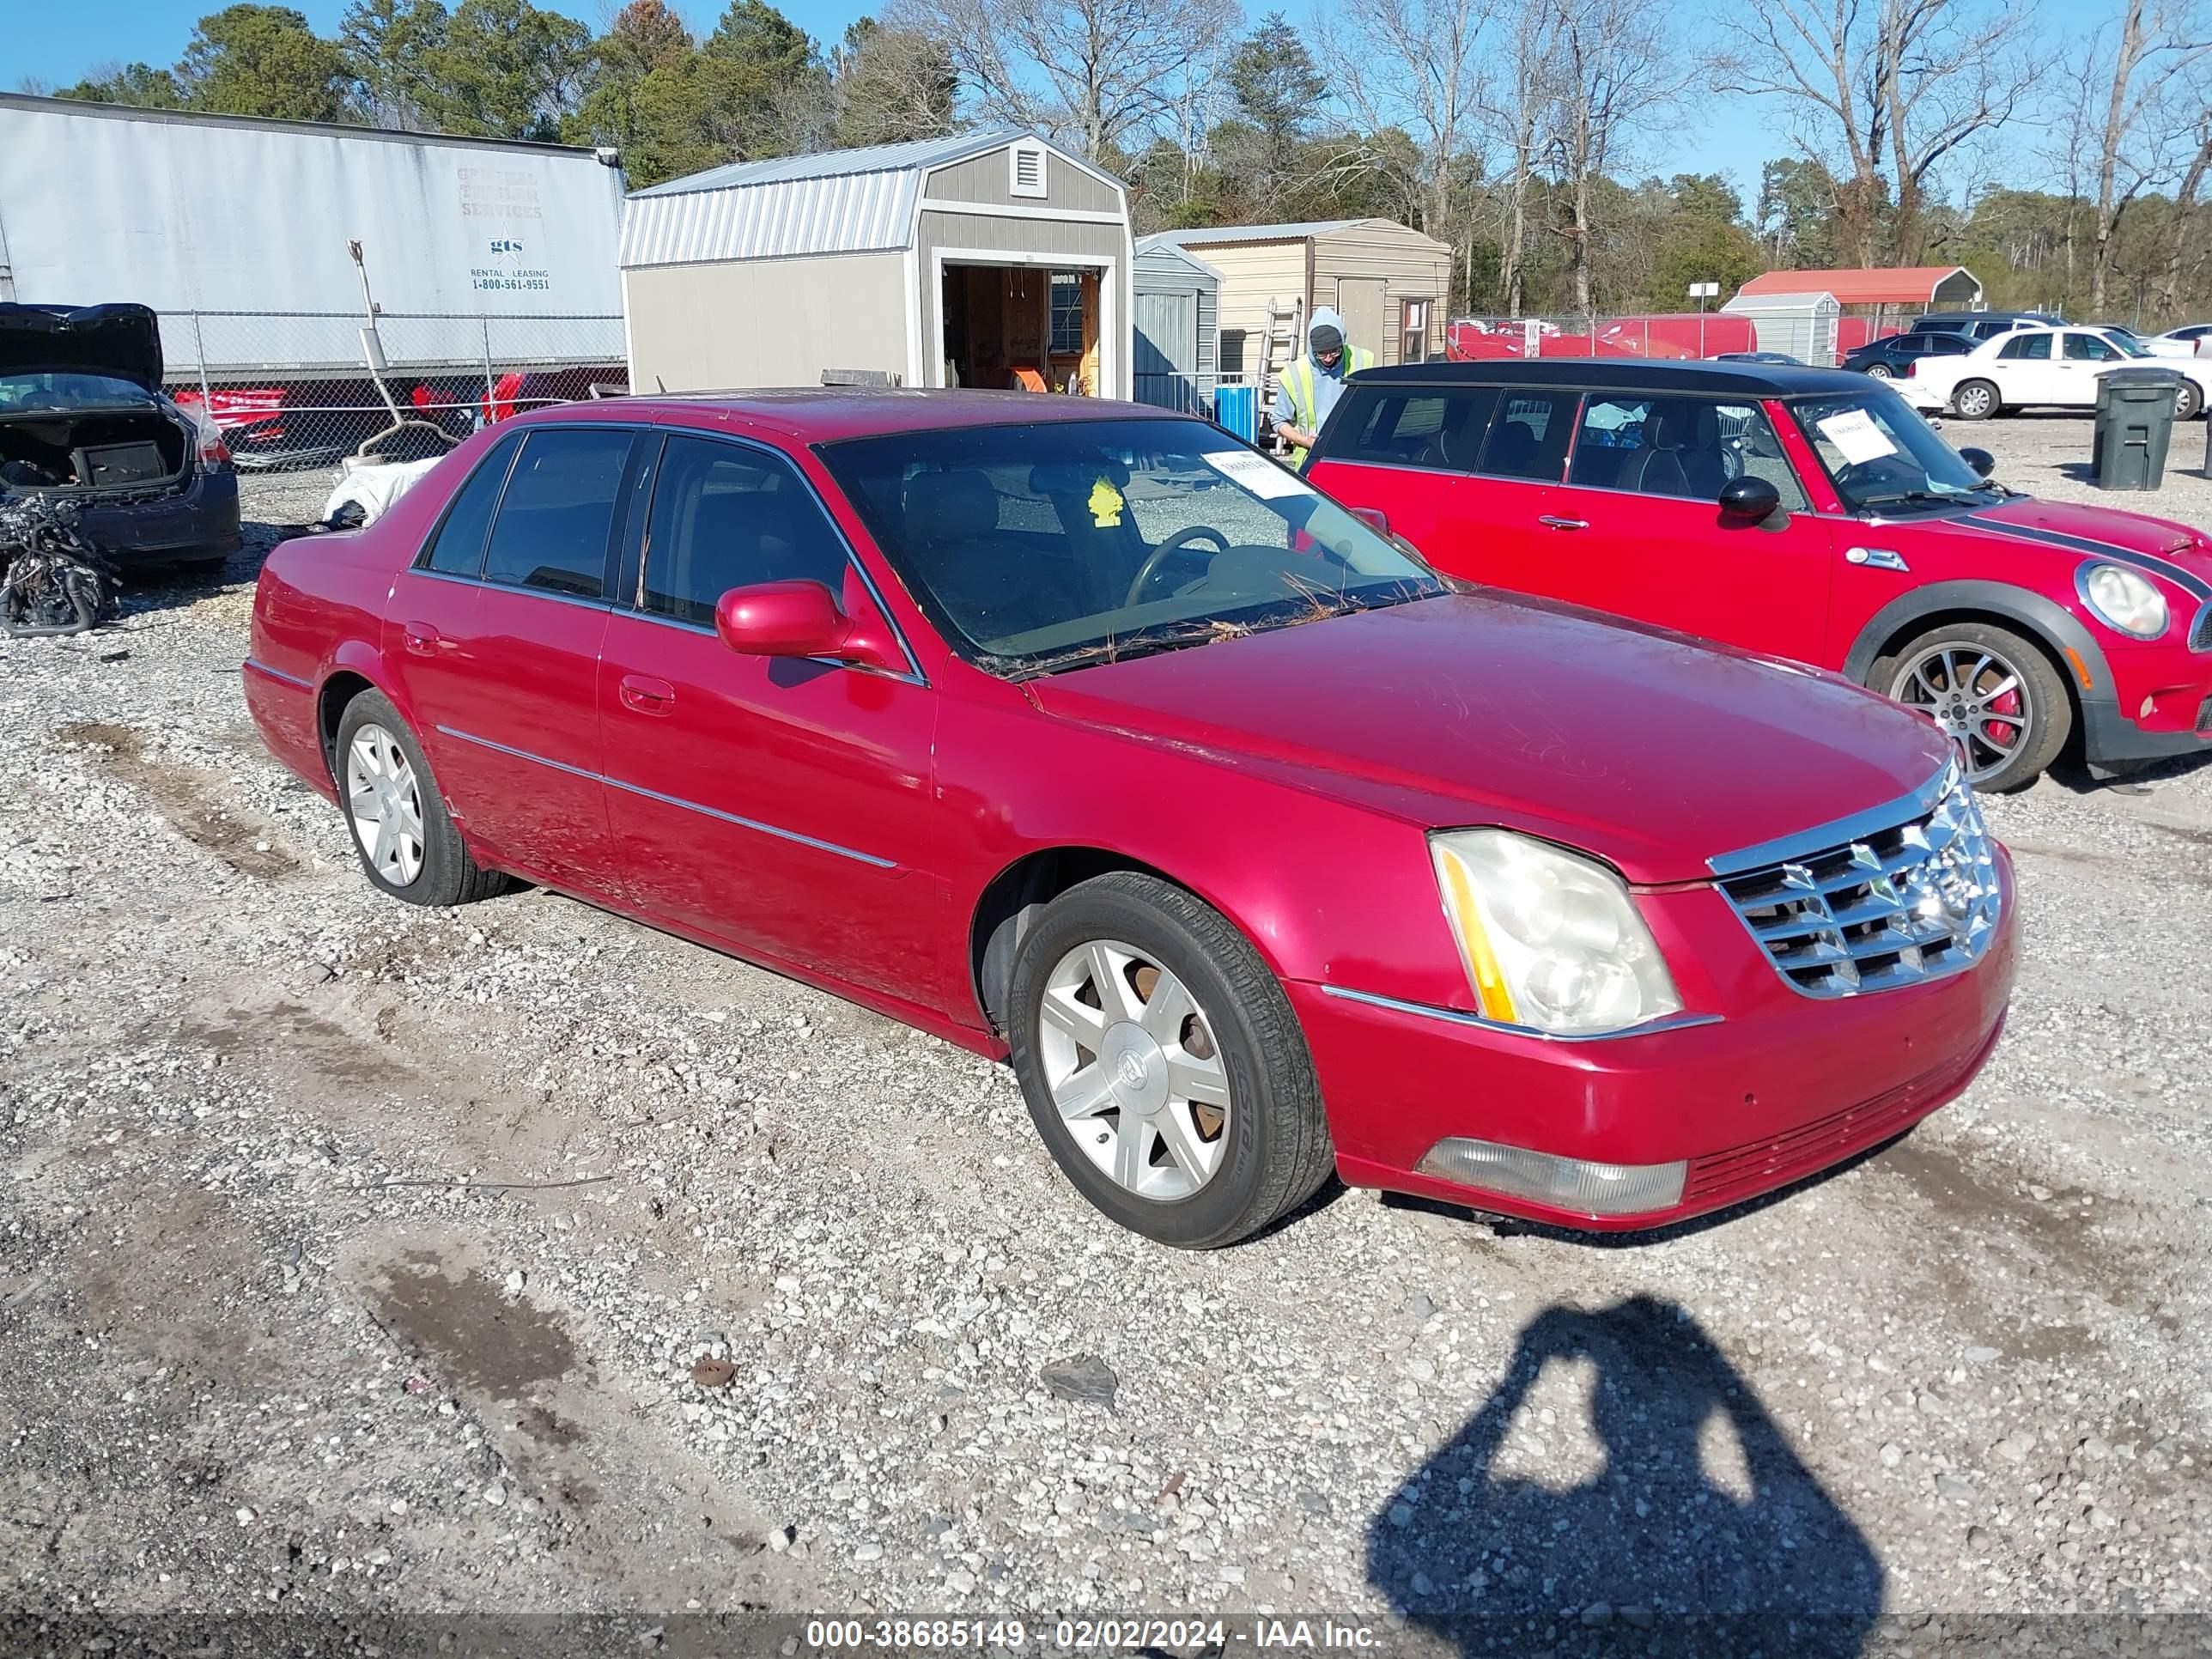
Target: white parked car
<point>2041,368</point>
<point>2192,335</point>
<point>2157,345</point>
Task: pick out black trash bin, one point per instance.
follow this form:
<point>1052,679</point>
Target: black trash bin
<point>2134,427</point>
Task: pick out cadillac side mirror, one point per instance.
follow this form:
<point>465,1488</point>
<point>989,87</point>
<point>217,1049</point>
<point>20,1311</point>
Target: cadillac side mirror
<point>797,619</point>
<point>1981,460</point>
<point>1748,499</point>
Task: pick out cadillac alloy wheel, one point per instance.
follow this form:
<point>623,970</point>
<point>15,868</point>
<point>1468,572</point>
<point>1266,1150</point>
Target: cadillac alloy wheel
<point>407,841</point>
<point>384,803</point>
<point>1134,1070</point>
<point>1162,1064</point>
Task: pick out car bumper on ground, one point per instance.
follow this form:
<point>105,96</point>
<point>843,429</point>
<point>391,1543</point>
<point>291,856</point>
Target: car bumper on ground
<point>1747,1103</point>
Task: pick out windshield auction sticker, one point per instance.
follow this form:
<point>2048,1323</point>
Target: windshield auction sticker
<point>1256,473</point>
<point>1854,433</point>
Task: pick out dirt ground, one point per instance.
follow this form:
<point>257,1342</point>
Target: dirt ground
<point>380,1267</point>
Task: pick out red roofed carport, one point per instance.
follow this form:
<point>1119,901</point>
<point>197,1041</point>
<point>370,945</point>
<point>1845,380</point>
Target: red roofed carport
<point>1922,287</point>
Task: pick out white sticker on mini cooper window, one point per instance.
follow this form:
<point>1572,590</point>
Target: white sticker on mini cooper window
<point>1855,436</point>
<point>1257,474</point>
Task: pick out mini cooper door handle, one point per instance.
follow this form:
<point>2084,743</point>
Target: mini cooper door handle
<point>646,695</point>
<point>422,639</point>
<point>1556,523</point>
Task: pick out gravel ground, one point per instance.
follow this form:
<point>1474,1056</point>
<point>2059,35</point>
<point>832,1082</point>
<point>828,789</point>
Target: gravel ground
<point>356,1260</point>
<point>2047,453</point>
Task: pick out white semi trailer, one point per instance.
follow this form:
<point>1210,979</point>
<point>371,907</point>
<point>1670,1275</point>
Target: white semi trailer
<point>487,261</point>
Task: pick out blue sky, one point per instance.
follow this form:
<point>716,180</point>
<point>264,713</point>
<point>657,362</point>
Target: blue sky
<point>47,42</point>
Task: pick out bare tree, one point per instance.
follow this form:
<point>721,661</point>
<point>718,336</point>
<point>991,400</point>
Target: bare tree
<point>1881,84</point>
<point>2123,110</point>
<point>2185,195</point>
<point>1414,65</point>
<point>1612,72</point>
<point>1522,100</point>
<point>1101,71</point>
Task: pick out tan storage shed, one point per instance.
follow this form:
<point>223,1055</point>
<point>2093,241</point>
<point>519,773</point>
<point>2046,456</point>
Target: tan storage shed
<point>1389,281</point>
<point>993,259</point>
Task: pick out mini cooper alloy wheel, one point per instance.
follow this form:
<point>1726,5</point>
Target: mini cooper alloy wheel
<point>385,805</point>
<point>1131,1063</point>
<point>1975,696</point>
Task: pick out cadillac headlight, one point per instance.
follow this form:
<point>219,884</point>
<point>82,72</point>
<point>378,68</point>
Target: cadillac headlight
<point>1551,940</point>
<point>2122,599</point>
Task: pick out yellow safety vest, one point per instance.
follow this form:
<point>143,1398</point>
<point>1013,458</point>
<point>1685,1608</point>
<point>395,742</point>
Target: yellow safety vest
<point>1299,378</point>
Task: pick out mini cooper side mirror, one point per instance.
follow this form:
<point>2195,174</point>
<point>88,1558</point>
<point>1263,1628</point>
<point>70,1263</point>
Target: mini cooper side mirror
<point>1748,499</point>
<point>1981,460</point>
<point>796,619</point>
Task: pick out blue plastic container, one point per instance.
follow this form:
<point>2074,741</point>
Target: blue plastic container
<point>1236,409</point>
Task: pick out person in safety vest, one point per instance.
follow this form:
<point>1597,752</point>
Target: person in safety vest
<point>1309,387</point>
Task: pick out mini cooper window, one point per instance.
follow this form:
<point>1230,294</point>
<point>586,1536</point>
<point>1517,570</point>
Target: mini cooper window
<point>1528,439</point>
<point>552,533</point>
<point>725,517</point>
<point>458,548</point>
<point>1428,429</point>
<point>1686,447</point>
<point>1882,456</point>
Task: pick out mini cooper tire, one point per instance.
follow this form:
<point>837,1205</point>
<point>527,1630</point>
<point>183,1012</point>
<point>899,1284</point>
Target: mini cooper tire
<point>1975,400</point>
<point>1273,1150</point>
<point>2042,705</point>
<point>440,873</point>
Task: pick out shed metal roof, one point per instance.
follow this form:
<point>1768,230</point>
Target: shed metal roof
<point>1861,286</point>
<point>1810,301</point>
<point>838,201</point>
<point>1297,233</point>
<point>1164,242</point>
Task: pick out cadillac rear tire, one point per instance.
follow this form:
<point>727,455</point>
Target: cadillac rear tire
<point>1878,371</point>
<point>1163,1066</point>
<point>2188,402</point>
<point>1995,694</point>
<point>401,830</point>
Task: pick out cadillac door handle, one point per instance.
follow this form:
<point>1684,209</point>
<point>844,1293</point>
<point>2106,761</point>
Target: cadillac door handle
<point>422,639</point>
<point>647,697</point>
<point>1553,522</point>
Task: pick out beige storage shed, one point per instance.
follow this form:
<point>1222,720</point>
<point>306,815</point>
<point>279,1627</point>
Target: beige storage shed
<point>984,260</point>
<point>1390,283</point>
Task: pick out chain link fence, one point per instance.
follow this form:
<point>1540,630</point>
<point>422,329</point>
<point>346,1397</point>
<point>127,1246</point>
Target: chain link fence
<point>298,390</point>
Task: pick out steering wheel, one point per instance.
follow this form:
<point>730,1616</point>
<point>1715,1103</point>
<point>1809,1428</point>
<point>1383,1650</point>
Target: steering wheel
<point>1175,543</point>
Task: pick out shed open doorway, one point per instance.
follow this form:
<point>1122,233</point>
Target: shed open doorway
<point>1021,328</point>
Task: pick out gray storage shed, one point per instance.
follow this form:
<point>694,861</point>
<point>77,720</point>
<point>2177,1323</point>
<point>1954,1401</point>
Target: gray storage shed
<point>1803,325</point>
<point>1178,327</point>
<point>995,259</point>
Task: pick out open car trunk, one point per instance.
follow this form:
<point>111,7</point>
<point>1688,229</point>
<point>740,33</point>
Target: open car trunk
<point>78,403</point>
<point>97,450</point>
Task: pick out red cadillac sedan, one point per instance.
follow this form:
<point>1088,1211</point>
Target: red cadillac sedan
<point>1806,513</point>
<point>1084,735</point>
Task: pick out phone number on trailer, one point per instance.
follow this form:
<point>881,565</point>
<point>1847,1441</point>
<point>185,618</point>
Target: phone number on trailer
<point>1072,1634</point>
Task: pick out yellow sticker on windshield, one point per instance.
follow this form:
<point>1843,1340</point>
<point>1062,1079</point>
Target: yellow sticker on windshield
<point>1106,505</point>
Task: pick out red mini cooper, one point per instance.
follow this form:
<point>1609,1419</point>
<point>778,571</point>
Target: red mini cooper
<point>1804,514</point>
<point>1084,735</point>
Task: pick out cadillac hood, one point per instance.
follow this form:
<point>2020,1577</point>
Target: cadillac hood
<point>1641,746</point>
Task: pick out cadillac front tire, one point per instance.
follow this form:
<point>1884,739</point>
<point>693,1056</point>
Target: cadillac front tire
<point>1163,1066</point>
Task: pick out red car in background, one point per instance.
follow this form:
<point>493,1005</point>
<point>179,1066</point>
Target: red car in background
<point>1084,735</point>
<point>1808,514</point>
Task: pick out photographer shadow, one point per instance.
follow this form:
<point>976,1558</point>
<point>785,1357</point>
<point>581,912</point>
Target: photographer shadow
<point>1653,1553</point>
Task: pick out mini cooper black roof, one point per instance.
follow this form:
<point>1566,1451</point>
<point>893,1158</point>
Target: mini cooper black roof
<point>1626,374</point>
